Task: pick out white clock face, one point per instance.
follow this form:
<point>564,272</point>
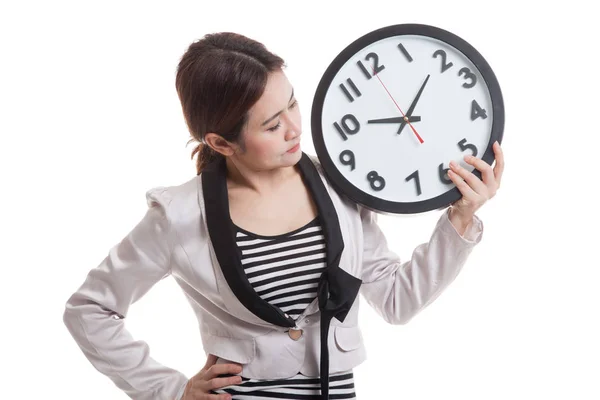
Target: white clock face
<point>365,103</point>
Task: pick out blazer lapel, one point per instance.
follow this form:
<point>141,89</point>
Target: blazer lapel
<point>222,235</point>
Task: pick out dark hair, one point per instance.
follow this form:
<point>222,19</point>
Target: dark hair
<point>219,78</point>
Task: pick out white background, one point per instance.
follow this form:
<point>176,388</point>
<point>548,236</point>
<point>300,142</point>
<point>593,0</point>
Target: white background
<point>90,120</point>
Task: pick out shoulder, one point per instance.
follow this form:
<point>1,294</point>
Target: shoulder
<point>175,198</point>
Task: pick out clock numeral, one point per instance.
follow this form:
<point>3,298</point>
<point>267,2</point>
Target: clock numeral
<point>463,145</point>
<point>377,68</point>
<point>477,111</point>
<point>415,176</point>
<point>443,173</point>
<point>468,75</point>
<point>466,71</point>
<point>403,50</point>
<point>364,70</point>
<point>442,54</point>
<point>350,161</point>
<point>377,182</point>
<point>353,87</point>
<point>347,129</point>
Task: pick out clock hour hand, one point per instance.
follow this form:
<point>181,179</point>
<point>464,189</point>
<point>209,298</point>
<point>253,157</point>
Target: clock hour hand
<point>413,105</point>
<point>394,120</point>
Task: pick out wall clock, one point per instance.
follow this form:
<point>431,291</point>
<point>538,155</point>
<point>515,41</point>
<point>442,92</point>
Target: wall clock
<point>395,107</point>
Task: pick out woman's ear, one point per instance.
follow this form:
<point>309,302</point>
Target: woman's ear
<point>218,144</point>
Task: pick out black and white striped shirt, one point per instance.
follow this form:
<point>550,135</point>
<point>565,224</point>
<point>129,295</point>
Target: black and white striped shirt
<point>285,270</point>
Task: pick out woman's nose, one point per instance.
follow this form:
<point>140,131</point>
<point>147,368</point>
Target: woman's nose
<point>292,134</point>
<point>293,130</point>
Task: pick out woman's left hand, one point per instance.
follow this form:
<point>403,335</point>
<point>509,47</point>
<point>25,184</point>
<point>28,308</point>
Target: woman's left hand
<point>475,192</point>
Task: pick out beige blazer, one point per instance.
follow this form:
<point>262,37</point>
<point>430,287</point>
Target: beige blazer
<point>187,233</point>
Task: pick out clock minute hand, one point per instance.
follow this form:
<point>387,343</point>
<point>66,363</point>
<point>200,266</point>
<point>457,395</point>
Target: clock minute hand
<point>395,120</point>
<point>413,105</point>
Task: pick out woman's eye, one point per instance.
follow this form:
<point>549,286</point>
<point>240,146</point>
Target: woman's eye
<point>275,127</point>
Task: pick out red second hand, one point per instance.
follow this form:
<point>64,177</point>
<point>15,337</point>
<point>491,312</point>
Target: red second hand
<point>406,119</point>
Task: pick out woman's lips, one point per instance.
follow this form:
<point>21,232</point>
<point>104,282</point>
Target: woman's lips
<point>294,149</point>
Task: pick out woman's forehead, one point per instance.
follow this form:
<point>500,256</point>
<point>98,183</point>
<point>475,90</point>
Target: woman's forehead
<point>278,93</point>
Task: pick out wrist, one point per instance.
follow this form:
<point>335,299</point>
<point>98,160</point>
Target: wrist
<point>459,220</point>
<point>186,389</point>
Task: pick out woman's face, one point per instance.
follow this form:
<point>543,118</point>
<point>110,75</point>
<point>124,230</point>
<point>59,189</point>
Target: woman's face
<point>274,127</point>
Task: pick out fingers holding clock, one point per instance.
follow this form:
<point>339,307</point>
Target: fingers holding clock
<point>491,178</point>
<point>470,185</point>
<point>499,168</point>
<point>468,194</point>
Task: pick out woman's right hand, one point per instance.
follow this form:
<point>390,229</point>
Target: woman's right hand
<point>201,384</point>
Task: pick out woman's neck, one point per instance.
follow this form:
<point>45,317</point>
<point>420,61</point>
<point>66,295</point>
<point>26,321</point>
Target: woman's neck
<point>261,182</point>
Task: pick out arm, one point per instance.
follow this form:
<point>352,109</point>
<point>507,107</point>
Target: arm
<point>94,314</point>
<point>400,290</point>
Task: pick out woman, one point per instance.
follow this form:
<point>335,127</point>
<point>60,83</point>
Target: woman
<point>269,255</point>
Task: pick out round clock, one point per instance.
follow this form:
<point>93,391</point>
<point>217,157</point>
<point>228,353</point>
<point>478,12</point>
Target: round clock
<point>395,107</point>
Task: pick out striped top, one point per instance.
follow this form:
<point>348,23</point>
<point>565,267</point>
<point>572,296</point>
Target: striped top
<point>284,270</point>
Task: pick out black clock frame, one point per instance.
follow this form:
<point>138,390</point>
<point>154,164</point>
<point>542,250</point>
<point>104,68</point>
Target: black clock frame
<point>337,178</point>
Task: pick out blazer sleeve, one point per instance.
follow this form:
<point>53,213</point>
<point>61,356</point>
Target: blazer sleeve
<point>95,313</point>
<point>400,290</point>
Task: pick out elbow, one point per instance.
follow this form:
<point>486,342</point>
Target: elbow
<point>400,310</point>
<point>406,319</point>
<point>74,307</point>
<point>69,318</point>
<point>397,318</point>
